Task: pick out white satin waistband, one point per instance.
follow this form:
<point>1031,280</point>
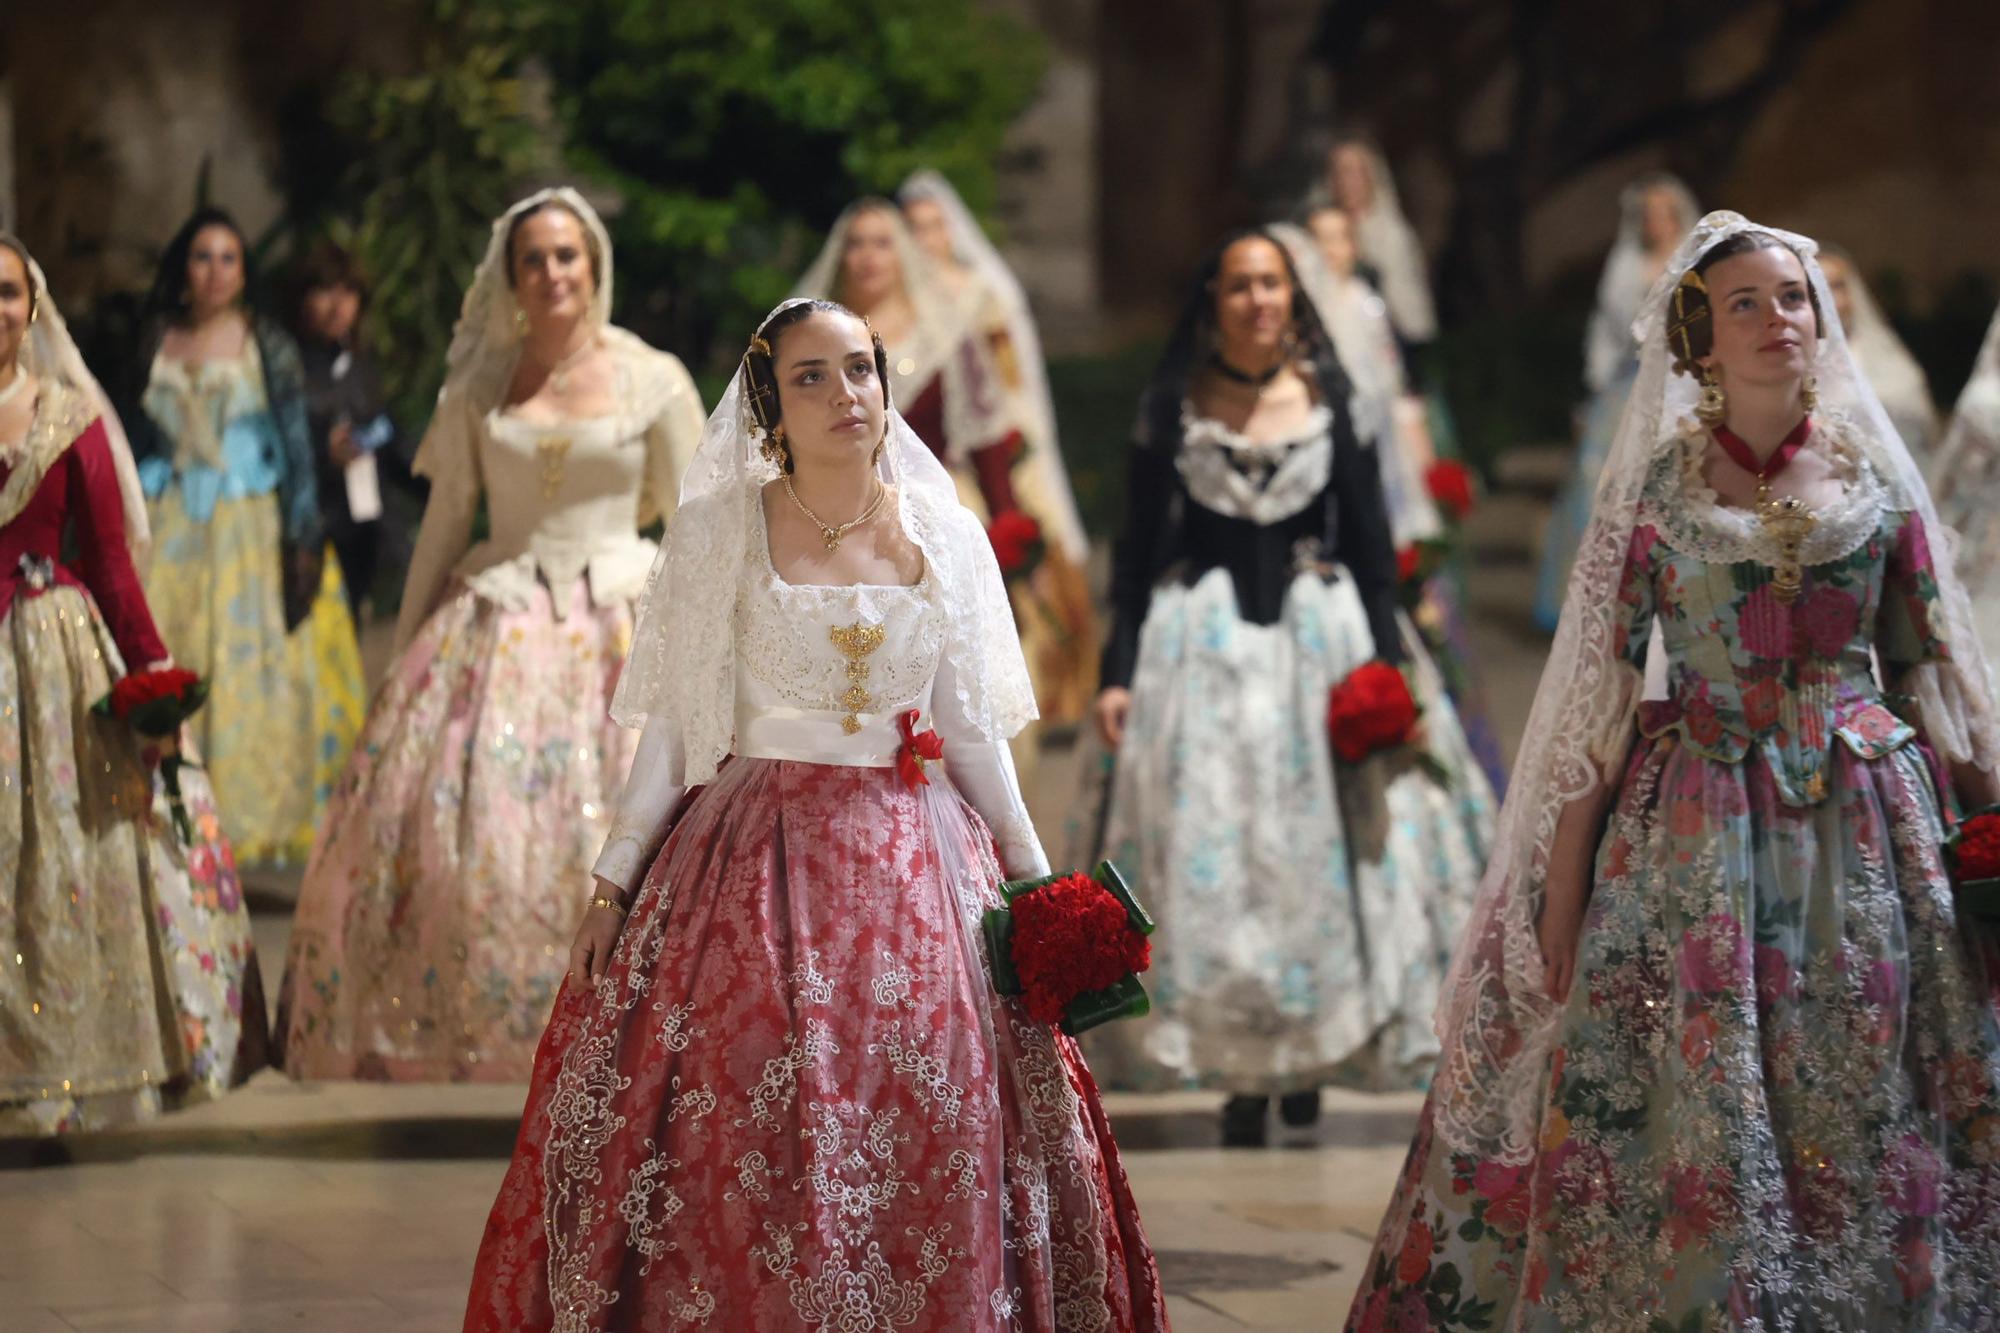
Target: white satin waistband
<point>816,736</point>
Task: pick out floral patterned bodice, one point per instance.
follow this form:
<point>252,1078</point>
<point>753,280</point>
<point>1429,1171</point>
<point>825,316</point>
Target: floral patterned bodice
<point>1749,672</point>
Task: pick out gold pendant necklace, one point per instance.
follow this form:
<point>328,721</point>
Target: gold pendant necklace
<point>831,533</point>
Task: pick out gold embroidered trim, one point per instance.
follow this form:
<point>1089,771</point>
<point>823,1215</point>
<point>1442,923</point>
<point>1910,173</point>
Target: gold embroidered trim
<point>61,417</point>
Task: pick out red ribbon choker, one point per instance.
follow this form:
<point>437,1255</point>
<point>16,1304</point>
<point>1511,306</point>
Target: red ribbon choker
<point>1744,457</point>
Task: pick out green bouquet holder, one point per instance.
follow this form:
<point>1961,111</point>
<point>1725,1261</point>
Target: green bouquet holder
<point>1125,998</point>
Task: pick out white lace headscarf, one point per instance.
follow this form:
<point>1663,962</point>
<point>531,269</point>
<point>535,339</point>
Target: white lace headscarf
<point>50,353</point>
<point>486,341</point>
<point>1897,378</point>
<point>1965,475</point>
<point>1496,1023</point>
<point>943,318</point>
<point>1607,345</point>
<point>682,665</point>
<point>1056,502</point>
<point>1978,411</point>
<point>1375,386</point>
<point>1388,242</point>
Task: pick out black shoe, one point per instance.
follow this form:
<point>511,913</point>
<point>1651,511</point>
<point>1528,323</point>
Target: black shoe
<point>1299,1109</point>
<point>1243,1121</point>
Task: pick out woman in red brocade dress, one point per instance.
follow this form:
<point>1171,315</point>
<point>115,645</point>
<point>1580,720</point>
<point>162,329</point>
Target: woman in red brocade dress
<point>128,984</point>
<point>788,1096</point>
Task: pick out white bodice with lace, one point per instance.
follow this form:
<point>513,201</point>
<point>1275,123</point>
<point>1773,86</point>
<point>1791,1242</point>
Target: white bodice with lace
<point>823,673</point>
<point>1264,481</point>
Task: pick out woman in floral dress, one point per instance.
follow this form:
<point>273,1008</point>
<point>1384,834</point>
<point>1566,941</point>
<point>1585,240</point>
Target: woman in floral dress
<point>428,942</point>
<point>128,981</point>
<point>1719,1050</point>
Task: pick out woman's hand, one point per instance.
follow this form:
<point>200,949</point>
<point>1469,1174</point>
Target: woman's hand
<point>1114,706</point>
<point>1557,932</point>
<point>590,953</point>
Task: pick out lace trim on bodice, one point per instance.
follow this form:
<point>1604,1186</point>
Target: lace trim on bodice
<point>1684,508</point>
<point>852,649</point>
<point>1262,481</point>
<point>196,402</point>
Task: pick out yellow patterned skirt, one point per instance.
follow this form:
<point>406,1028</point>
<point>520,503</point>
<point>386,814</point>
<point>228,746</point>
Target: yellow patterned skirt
<point>283,709</point>
<point>128,983</point>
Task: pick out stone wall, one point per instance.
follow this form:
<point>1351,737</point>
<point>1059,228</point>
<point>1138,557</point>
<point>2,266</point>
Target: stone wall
<point>121,105</point>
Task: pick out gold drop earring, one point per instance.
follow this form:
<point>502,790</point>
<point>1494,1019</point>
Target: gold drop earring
<point>1714,405</point>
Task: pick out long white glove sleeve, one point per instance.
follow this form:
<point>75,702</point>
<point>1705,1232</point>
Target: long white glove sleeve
<point>640,827</point>
<point>983,772</point>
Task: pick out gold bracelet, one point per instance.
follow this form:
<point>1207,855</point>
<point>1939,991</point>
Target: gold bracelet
<point>601,901</point>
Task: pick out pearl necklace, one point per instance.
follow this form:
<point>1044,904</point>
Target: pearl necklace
<point>831,533</point>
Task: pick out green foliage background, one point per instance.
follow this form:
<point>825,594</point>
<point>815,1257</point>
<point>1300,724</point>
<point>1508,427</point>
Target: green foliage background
<point>722,139</point>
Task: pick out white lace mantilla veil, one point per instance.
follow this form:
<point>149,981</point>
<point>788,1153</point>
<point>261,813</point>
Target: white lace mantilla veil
<point>1624,282</point>
<point>969,243</point>
<point>51,354</point>
<point>682,665</point>
<point>479,364</point>
<point>1897,378</point>
<point>1496,1025</point>
<point>1386,240</point>
<point>943,320</point>
<point>1374,389</point>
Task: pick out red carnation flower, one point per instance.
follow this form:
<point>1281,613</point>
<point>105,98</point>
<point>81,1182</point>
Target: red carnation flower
<point>139,688</point>
<point>1071,937</point>
<point>1451,486</point>
<point>1371,710</point>
<point>1978,852</point>
<point>1017,542</point>
<point>1409,560</point>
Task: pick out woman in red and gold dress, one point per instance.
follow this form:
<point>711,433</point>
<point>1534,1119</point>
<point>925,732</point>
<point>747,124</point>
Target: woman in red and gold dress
<point>128,984</point>
<point>779,1090</point>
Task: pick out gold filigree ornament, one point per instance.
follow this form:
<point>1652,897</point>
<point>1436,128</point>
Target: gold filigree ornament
<point>552,450</point>
<point>1787,522</point>
<point>856,643</point>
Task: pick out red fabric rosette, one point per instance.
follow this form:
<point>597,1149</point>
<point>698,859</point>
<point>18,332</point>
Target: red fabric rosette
<point>919,748</point>
<point>1450,485</point>
<point>1371,711</point>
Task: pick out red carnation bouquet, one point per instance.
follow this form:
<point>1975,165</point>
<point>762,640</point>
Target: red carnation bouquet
<point>1072,946</point>
<point>1450,485</point>
<point>1018,543</point>
<point>155,703</point>
<point>1974,851</point>
<point>1373,710</point>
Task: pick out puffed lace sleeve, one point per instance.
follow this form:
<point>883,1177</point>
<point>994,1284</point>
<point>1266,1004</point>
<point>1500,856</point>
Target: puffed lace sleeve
<point>983,771</point>
<point>645,808</point>
<point>449,459</point>
<point>671,439</point>
<point>1952,706</point>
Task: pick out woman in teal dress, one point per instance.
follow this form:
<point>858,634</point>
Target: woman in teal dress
<point>1719,1050</point>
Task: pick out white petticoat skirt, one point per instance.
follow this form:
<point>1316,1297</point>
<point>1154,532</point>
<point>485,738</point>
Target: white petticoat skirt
<point>1307,910</point>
